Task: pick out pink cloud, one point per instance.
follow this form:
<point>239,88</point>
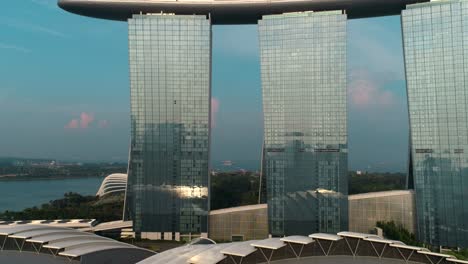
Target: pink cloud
<point>83,122</point>
<point>86,119</point>
<point>214,111</point>
<point>365,91</point>
<point>103,124</point>
<point>74,123</point>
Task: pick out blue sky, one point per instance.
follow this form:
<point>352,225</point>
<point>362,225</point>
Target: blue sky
<point>64,89</point>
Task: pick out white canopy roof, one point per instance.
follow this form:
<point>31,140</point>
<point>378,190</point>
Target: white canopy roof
<point>269,243</point>
<point>90,248</point>
<point>170,255</point>
<point>74,243</point>
<point>80,240</point>
<point>213,254</point>
<point>409,247</point>
<point>356,235</point>
<point>383,240</point>
<point>303,240</point>
<point>435,254</point>
<point>210,256</point>
<point>10,230</point>
<point>324,236</point>
<point>457,260</point>
<point>37,232</point>
<point>183,258</point>
<point>46,238</point>
<point>240,249</point>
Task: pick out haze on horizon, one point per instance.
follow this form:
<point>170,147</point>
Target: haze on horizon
<point>65,91</point>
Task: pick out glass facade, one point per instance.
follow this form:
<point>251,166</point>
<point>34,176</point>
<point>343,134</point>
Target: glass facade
<point>170,75</point>
<point>303,71</point>
<point>435,37</point>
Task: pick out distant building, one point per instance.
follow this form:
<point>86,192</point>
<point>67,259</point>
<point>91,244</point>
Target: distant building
<point>114,183</point>
<point>435,38</point>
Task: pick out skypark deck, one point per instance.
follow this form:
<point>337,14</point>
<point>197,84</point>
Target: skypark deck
<point>231,11</point>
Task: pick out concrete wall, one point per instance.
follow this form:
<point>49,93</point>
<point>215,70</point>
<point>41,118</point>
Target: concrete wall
<point>251,222</point>
<point>244,222</point>
<point>368,208</point>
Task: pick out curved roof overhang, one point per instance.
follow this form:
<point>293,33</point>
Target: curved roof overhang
<point>231,11</point>
<point>64,242</point>
<point>344,247</point>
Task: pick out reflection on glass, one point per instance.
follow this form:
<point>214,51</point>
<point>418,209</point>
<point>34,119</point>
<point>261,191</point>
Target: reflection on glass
<point>170,60</point>
<point>303,68</point>
<point>435,37</point>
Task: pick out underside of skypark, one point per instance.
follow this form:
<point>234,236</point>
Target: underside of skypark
<point>232,11</point>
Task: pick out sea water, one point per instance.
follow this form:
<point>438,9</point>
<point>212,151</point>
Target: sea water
<point>18,195</point>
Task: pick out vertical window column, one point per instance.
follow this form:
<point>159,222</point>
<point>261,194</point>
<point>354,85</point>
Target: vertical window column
<point>303,72</point>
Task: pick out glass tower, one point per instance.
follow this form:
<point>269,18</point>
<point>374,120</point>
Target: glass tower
<point>170,75</point>
<point>435,37</point>
<point>303,71</point>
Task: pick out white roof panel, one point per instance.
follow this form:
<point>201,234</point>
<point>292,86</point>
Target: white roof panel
<point>241,249</point>
<point>303,240</point>
<point>456,260</point>
<point>75,241</point>
<point>269,243</point>
<point>57,236</point>
<point>12,229</point>
<point>169,255</point>
<point>90,248</point>
<point>182,259</point>
<point>356,235</point>
<point>435,254</point>
<point>324,236</point>
<point>409,247</point>
<point>37,232</point>
<point>383,240</point>
<point>210,256</point>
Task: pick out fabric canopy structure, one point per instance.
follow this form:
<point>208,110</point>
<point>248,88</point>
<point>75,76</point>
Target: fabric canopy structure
<point>344,247</point>
<point>29,243</point>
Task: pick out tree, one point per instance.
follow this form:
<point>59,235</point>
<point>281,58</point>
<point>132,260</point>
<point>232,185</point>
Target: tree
<point>395,231</point>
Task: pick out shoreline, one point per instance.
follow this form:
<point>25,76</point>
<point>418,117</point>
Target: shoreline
<point>41,178</point>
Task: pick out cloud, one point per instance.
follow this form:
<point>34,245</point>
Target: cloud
<point>45,30</point>
<point>83,122</point>
<point>14,47</point>
<point>214,111</point>
<point>365,90</point>
<point>26,26</point>
<point>74,123</point>
<point>86,119</point>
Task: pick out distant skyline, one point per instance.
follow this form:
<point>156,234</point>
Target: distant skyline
<point>64,90</point>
